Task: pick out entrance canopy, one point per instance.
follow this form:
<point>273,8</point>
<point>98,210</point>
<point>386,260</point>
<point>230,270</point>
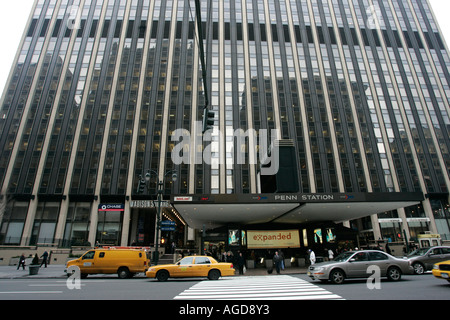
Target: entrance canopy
<point>216,210</point>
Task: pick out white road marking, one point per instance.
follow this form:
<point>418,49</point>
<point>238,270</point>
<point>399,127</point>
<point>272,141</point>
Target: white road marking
<point>282,287</point>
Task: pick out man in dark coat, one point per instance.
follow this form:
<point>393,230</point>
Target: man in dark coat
<point>44,259</point>
<point>241,263</point>
<point>21,262</point>
<point>277,262</point>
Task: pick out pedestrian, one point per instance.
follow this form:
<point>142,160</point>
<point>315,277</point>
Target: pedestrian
<point>277,262</point>
<point>282,259</point>
<point>44,259</point>
<point>35,260</point>
<point>21,262</point>
<point>229,257</point>
<point>312,257</point>
<point>241,263</point>
<point>388,249</point>
<point>330,254</point>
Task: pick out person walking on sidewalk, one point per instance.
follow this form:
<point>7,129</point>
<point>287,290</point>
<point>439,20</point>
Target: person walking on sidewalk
<point>241,263</point>
<point>44,259</point>
<point>21,262</point>
<point>277,262</point>
<point>312,257</point>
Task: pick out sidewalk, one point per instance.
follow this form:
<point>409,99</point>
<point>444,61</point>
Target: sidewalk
<point>57,271</point>
<point>263,271</point>
<point>52,271</point>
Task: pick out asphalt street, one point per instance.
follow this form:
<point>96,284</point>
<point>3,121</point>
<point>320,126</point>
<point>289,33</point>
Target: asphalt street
<point>262,296</point>
<point>284,287</point>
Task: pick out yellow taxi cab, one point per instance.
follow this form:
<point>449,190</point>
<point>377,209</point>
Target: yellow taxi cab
<point>124,262</point>
<point>441,270</point>
<point>192,266</point>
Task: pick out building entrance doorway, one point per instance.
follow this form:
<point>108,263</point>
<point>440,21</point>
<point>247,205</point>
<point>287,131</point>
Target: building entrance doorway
<point>142,227</point>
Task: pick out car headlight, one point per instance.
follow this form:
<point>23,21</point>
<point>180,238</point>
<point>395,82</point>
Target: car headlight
<point>436,267</point>
<point>318,269</point>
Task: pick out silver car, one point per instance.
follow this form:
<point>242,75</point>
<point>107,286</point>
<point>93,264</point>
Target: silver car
<point>356,264</point>
<point>423,259</point>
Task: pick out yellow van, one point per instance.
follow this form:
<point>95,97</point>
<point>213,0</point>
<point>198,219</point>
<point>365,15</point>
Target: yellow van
<point>124,262</point>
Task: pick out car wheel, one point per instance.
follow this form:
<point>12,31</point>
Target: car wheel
<point>337,276</point>
<point>214,275</point>
<point>394,274</point>
<point>123,273</point>
<point>418,268</point>
<point>162,275</point>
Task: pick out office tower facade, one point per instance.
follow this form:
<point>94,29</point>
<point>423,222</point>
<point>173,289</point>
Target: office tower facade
<point>104,93</point>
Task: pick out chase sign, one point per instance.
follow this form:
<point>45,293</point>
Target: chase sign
<point>111,207</point>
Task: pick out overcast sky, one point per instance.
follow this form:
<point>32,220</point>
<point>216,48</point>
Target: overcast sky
<point>14,15</point>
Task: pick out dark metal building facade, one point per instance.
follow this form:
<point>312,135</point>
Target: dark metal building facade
<point>358,88</point>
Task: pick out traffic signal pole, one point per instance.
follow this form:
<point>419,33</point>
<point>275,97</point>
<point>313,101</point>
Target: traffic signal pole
<point>202,50</point>
<point>208,116</point>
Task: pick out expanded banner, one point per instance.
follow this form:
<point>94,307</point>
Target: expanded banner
<point>273,239</point>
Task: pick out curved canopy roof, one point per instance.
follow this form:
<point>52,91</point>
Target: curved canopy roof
<point>215,210</point>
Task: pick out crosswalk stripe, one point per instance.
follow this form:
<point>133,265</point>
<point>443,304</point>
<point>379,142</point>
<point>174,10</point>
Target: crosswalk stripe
<point>282,287</point>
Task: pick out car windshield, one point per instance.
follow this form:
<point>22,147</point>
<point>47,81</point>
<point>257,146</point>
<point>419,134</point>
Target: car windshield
<point>418,252</point>
<point>343,256</point>
<point>186,260</point>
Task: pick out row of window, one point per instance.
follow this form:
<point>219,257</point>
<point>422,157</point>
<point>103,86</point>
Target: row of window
<point>346,38</point>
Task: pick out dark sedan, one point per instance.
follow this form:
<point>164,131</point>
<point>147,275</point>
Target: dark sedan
<point>423,259</point>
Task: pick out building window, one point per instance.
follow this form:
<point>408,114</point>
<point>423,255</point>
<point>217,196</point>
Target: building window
<point>441,213</point>
<point>77,224</point>
<point>13,222</point>
<point>109,228</point>
<point>45,223</point>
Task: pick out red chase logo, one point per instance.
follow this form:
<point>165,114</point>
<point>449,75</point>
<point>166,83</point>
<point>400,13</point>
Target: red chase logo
<point>111,207</point>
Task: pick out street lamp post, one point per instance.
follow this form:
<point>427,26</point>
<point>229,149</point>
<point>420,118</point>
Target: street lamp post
<point>160,192</point>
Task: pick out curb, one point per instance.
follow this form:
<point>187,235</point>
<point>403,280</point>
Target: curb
<point>57,272</point>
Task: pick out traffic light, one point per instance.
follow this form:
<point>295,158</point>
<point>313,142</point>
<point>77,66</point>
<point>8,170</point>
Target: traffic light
<point>208,119</point>
<point>141,185</point>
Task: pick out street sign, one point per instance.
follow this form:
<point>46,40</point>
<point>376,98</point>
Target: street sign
<point>168,228</point>
<point>168,223</point>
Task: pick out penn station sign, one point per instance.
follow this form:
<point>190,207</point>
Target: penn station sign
<point>269,198</point>
<point>315,197</point>
<point>296,198</point>
<point>304,197</point>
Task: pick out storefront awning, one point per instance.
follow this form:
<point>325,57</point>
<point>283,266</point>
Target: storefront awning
<point>218,210</point>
